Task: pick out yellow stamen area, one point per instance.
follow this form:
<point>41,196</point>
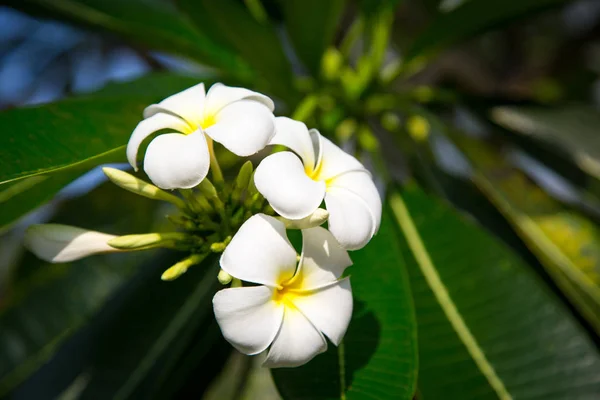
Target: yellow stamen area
<point>208,121</point>
<point>315,174</point>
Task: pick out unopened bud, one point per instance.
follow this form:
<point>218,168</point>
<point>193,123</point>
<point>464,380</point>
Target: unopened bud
<point>331,63</point>
<point>224,278</point>
<point>219,247</point>
<point>242,180</point>
<point>138,186</point>
<point>317,218</point>
<point>181,267</point>
<point>147,241</point>
<point>418,127</point>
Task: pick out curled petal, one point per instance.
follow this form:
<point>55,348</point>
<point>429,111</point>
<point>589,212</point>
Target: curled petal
<point>62,243</point>
<point>175,161</point>
<point>220,96</point>
<point>281,179</point>
<point>147,127</point>
<point>323,260</point>
<point>296,343</point>
<point>260,252</point>
<point>328,309</point>
<point>188,104</point>
<point>350,220</point>
<point>335,161</point>
<point>244,127</point>
<point>294,135</point>
<point>248,317</point>
<point>361,183</point>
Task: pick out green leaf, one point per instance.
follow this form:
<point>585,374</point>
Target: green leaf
<point>378,357</point>
<point>372,7</point>
<point>230,23</point>
<point>574,128</point>
<point>311,25</point>
<point>50,302</point>
<point>57,136</point>
<point>472,18</point>
<point>488,328</point>
<point>127,364</point>
<point>565,241</point>
<point>153,23</point>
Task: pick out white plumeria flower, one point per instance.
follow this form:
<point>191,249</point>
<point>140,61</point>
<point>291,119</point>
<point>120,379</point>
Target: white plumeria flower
<point>291,308</point>
<point>239,119</point>
<point>295,187</point>
<point>62,243</point>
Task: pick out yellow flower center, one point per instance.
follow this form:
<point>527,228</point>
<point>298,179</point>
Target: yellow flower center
<point>315,174</point>
<point>284,295</point>
<point>206,122</point>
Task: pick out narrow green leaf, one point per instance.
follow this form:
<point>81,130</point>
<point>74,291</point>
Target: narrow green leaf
<point>472,18</point>
<point>155,24</point>
<point>574,128</point>
<point>488,328</point>
<point>311,25</point>
<point>377,359</point>
<point>565,241</point>
<point>230,23</point>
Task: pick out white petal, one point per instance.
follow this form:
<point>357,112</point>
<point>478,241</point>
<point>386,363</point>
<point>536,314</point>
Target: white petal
<point>361,183</point>
<point>63,243</point>
<point>335,161</point>
<point>296,343</point>
<point>350,220</point>
<point>323,260</point>
<point>294,135</point>
<point>244,127</point>
<point>220,96</point>
<point>175,161</point>
<point>188,104</point>
<point>248,317</point>
<point>260,252</point>
<point>281,179</point>
<point>147,127</point>
<point>328,309</point>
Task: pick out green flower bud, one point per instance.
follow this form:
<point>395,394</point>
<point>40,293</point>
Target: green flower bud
<point>147,241</point>
<point>138,186</point>
<point>181,267</point>
<point>224,278</point>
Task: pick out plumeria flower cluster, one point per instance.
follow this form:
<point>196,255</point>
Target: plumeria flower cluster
<point>278,301</point>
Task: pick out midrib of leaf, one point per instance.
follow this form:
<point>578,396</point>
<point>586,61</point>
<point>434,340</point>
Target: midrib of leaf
<point>528,226</point>
<point>181,318</point>
<point>442,296</point>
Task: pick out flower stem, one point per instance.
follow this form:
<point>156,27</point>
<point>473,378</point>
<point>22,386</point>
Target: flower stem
<point>215,168</point>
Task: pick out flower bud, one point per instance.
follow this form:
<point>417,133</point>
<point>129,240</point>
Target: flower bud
<point>182,266</point>
<point>147,241</point>
<point>315,219</point>
<point>224,278</point>
<point>62,243</point>
<point>242,180</point>
<point>138,186</point>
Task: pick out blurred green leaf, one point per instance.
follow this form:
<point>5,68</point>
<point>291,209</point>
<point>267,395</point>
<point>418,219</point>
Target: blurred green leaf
<point>230,23</point>
<point>148,335</point>
<point>48,303</point>
<point>378,357</point>
<point>371,7</point>
<point>488,328</point>
<point>156,85</point>
<point>574,128</point>
<point>311,25</point>
<point>472,18</point>
<point>565,242</point>
<point>155,24</point>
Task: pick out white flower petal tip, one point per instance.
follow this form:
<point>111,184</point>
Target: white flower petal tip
<point>62,243</point>
<point>296,184</point>
<point>296,307</point>
<point>176,161</point>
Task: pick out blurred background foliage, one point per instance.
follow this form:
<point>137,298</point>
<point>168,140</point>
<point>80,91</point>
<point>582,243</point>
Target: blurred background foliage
<point>479,119</point>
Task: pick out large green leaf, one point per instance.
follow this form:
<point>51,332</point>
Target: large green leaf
<point>311,25</point>
<point>565,241</point>
<point>488,328</point>
<point>229,22</point>
<point>471,18</point>
<point>378,357</point>
<point>155,24</point>
<point>574,128</point>
<point>50,302</point>
<point>147,337</point>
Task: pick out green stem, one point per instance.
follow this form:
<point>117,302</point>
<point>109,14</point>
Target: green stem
<point>215,168</point>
